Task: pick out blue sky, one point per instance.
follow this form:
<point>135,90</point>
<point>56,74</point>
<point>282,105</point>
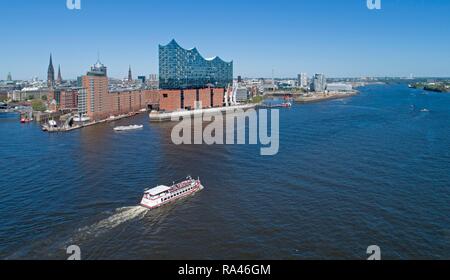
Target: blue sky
<point>339,38</point>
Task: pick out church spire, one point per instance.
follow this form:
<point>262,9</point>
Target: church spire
<point>59,79</point>
<point>51,74</point>
<point>130,76</point>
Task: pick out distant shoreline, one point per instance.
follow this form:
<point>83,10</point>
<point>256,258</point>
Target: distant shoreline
<point>324,97</point>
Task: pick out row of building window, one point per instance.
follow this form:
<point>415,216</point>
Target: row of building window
<point>177,194</point>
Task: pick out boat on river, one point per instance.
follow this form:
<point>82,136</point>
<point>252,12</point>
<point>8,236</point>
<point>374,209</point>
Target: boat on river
<point>128,128</point>
<point>162,195</point>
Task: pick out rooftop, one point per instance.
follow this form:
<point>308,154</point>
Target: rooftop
<point>157,190</point>
<point>194,50</point>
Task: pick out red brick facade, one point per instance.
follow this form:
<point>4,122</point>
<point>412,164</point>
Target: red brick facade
<point>99,103</point>
<point>190,99</point>
<point>68,99</point>
<point>132,101</point>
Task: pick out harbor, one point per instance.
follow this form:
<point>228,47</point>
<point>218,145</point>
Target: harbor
<point>70,124</point>
<point>85,187</point>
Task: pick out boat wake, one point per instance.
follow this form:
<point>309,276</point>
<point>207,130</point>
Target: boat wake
<point>121,216</point>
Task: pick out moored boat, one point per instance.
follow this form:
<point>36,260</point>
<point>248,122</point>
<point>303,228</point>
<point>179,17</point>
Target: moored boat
<point>25,120</point>
<point>277,105</point>
<point>127,128</point>
<point>162,195</point>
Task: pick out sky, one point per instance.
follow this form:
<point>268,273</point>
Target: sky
<point>341,38</point>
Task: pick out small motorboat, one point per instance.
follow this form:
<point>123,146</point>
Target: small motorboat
<point>128,128</point>
<point>25,120</point>
<point>286,105</point>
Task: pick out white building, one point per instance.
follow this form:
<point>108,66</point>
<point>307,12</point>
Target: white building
<point>302,80</point>
<point>242,94</point>
<point>339,87</point>
<point>319,83</point>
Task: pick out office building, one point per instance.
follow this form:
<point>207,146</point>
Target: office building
<point>96,84</point>
<point>142,79</point>
<point>242,94</point>
<point>319,83</point>
<point>302,80</point>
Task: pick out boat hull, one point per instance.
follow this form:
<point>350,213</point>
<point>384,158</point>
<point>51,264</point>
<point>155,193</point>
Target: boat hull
<point>128,128</point>
<point>157,203</point>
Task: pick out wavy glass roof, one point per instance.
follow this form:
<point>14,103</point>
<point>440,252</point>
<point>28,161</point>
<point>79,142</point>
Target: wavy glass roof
<point>187,68</point>
<point>193,51</point>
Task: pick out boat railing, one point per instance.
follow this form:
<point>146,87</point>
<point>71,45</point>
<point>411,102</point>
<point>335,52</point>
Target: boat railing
<point>177,185</point>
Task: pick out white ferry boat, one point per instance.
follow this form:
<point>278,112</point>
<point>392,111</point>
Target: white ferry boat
<point>126,128</point>
<point>161,195</point>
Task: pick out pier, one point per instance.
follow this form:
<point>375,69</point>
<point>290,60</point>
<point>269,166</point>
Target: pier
<point>169,116</point>
<point>67,127</point>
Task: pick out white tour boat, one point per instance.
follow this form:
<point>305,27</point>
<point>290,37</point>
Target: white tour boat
<point>161,195</point>
<point>130,127</point>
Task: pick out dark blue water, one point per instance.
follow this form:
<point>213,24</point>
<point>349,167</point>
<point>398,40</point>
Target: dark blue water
<point>373,169</point>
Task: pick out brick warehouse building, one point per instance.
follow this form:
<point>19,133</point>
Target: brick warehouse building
<point>190,99</point>
<point>66,98</point>
<point>97,102</point>
<point>94,99</point>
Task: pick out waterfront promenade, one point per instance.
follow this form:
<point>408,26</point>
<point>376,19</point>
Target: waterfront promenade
<point>318,97</point>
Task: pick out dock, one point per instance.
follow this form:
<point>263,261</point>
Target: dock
<point>169,116</point>
<point>66,128</point>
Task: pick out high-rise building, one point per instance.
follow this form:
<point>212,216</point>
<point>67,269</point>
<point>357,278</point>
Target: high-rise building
<point>59,79</point>
<point>95,82</point>
<point>180,68</point>
<point>9,77</point>
<point>302,80</point>
<point>142,79</point>
<point>153,77</point>
<point>51,74</point>
<point>319,83</point>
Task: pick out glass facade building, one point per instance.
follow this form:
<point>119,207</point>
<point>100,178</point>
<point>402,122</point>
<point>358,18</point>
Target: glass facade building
<point>319,83</point>
<point>180,68</point>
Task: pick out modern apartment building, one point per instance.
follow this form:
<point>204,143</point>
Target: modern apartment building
<point>302,80</point>
<point>319,83</point>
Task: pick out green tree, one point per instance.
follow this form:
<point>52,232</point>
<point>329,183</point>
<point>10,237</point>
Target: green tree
<point>38,105</point>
